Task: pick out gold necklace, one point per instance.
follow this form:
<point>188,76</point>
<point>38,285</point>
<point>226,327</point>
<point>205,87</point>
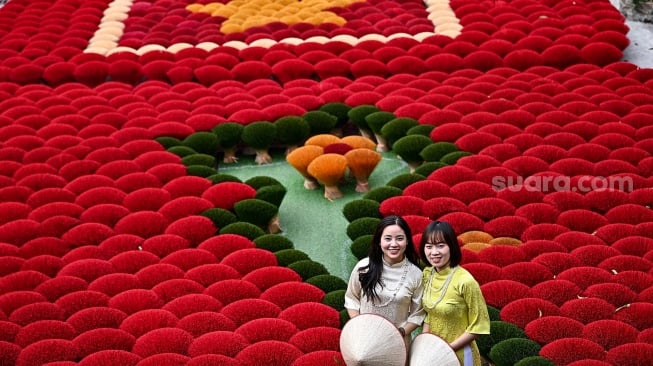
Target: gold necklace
<point>442,289</point>
<point>396,290</point>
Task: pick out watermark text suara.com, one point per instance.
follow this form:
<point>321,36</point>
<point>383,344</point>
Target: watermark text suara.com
<point>558,183</point>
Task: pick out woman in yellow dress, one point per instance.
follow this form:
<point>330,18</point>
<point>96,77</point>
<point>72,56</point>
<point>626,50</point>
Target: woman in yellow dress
<point>454,305</point>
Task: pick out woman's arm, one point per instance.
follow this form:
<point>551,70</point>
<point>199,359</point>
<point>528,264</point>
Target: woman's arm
<point>426,328</point>
<point>353,293</point>
<point>353,313</point>
<point>410,327</point>
<point>462,341</point>
<point>416,311</point>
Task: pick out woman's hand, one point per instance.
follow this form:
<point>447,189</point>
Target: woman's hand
<point>409,327</point>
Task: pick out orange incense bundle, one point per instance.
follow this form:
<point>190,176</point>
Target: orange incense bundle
<point>300,158</point>
<point>361,164</point>
<point>329,169</point>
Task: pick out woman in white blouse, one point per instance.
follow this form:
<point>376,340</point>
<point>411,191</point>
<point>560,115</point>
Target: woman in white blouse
<point>388,282</point>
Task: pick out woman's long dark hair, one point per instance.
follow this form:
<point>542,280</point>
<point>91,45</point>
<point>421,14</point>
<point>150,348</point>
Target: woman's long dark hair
<point>442,231</point>
<point>370,275</point>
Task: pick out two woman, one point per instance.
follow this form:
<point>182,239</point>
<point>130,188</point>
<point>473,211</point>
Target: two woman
<point>444,298</point>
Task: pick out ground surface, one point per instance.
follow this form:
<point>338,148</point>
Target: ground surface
<point>640,51</point>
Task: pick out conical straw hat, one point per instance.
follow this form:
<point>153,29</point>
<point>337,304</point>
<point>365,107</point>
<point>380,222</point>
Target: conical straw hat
<point>430,350</point>
<point>372,340</point>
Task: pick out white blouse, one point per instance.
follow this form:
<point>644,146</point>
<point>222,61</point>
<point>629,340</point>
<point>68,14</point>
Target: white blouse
<point>400,299</point>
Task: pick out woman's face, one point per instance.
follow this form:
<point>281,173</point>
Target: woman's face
<point>438,254</point>
<point>393,244</point>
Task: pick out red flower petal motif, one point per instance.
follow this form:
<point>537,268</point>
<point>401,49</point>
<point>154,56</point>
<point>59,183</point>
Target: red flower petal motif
<point>31,313</point>
<point>269,353</point>
<point>47,350</point>
<point>266,329</point>
<point>163,340</point>
<point>637,315</point>
<point>538,212</point>
<point>87,269</point>
<point>631,353</point>
<point>556,291</point>
<point>195,229</point>
<point>502,255</point>
<point>290,293</point>
<point>221,342</point>
<point>317,340</point>
<point>484,272</point>
<point>633,245</point>
<point>225,195</point>
<point>299,314</point>
<point>242,311</point>
<point>637,214</point>
<point>100,339</point>
<point>202,322</point>
<point>144,224</point>
<point>76,301</point>
<point>529,273</point>
<point>563,351</point>
<point>232,290</point>
<point>548,329</point>
<point>427,189</point>
<point>503,292</point>
<point>644,336</point>
<point>488,208</point>
<point>114,283</point>
<point>135,300</point>
<point>109,357</point>
<point>610,333</point>
<point>589,223</point>
<point>587,310</point>
<point>507,226</point>
<point>248,260</point>
<point>146,320</point>
<point>56,287</point>
<point>626,263</point>
<point>401,205</point>
<point>570,239</point>
<point>462,221</point>
<point>192,303</point>
<point>592,255</point>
